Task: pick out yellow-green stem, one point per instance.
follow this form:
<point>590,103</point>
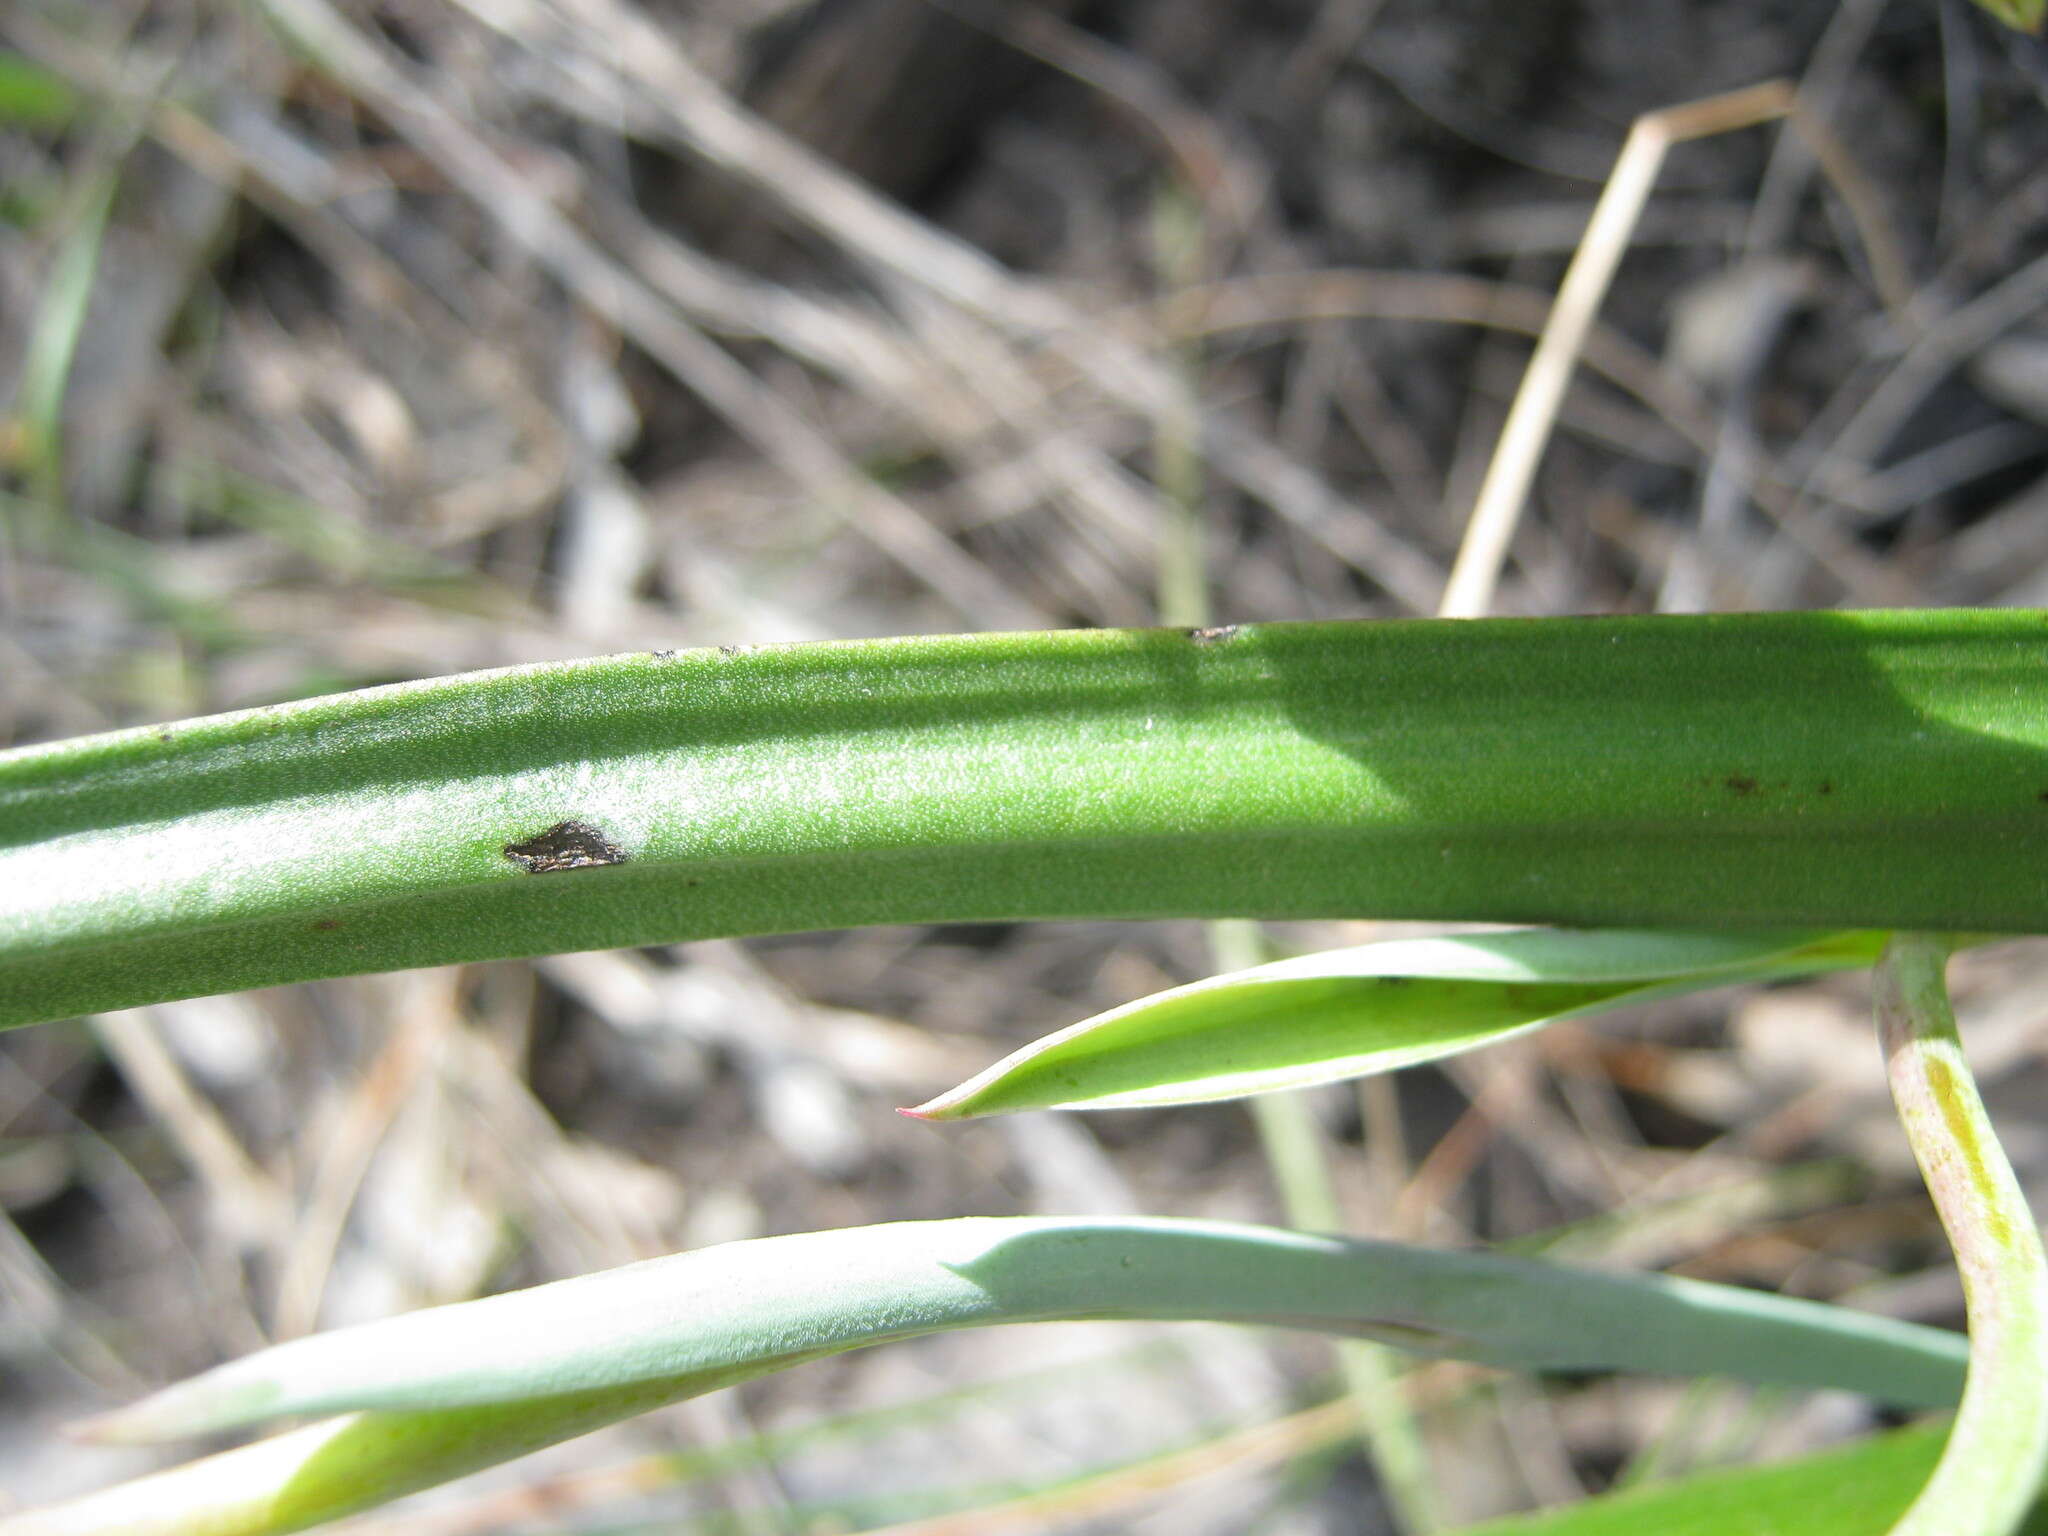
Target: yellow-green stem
<point>1998,1448</point>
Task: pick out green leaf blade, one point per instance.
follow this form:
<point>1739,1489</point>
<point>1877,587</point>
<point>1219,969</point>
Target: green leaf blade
<point>436,1394</point>
<point>325,1471</point>
<point>1783,770</point>
<point>1854,1490</point>
<point>719,1315</point>
<point>1375,1008</point>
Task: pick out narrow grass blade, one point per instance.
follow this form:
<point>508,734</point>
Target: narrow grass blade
<point>1815,770</point>
<point>46,362</point>
<point>721,1314</point>
<point>1992,1471</point>
<point>1353,1012</point>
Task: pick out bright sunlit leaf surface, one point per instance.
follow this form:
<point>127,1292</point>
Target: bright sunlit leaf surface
<point>1351,1012</point>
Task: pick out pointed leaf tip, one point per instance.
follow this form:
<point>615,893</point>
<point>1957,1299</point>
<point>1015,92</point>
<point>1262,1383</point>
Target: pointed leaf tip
<point>1375,1008</point>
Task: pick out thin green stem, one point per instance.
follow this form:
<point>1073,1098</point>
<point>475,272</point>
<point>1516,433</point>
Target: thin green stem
<point>1288,1134</point>
<point>1998,1449</point>
<point>1293,1147</point>
<point>46,365</point>
<point>1179,242</point>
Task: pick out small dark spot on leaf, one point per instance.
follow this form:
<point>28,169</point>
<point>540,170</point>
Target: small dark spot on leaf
<point>693,880</point>
<point>326,924</point>
<point>1741,783</point>
<point>163,735</point>
<point>1827,787</point>
<point>2043,797</point>
<point>565,845</point>
<point>1214,634</point>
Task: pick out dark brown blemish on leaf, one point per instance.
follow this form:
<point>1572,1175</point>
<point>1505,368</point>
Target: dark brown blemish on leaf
<point>1827,786</point>
<point>1741,783</point>
<point>1214,634</point>
<point>565,845</point>
<point>166,736</point>
<point>326,924</point>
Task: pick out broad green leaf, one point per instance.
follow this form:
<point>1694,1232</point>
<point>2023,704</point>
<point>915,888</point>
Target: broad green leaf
<point>1819,770</point>
<point>1857,1490</point>
<point>718,1315</point>
<point>1353,1012</point>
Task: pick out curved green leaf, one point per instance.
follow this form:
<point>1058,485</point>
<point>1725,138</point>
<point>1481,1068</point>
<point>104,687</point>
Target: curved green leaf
<point>1790,770</point>
<point>334,1468</point>
<point>718,1315</point>
<point>1375,1008</point>
<point>451,1389</point>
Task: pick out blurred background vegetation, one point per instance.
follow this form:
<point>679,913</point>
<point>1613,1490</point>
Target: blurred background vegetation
<point>349,341</point>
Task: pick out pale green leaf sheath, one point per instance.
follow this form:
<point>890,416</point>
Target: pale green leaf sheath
<point>1997,1453</point>
<point>1814,771</point>
<point>756,1306</point>
<point>458,1387</point>
<point>1376,1008</point>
